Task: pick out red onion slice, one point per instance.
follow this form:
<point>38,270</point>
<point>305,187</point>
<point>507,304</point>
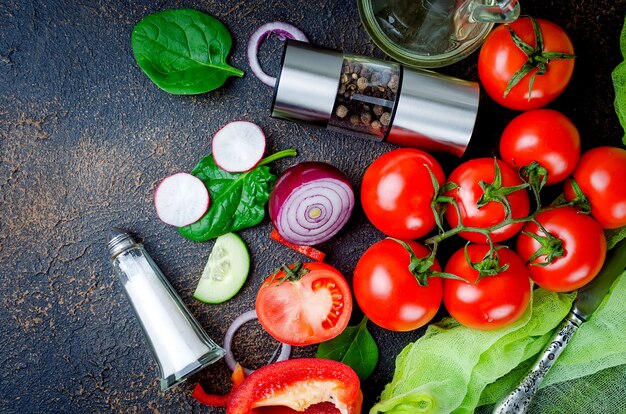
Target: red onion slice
<point>310,203</point>
<point>228,341</point>
<point>283,31</point>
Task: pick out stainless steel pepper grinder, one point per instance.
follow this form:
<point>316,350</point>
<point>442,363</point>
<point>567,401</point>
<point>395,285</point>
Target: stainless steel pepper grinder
<point>375,99</point>
<point>178,343</point>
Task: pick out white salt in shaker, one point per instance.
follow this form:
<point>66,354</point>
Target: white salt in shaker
<point>178,343</point>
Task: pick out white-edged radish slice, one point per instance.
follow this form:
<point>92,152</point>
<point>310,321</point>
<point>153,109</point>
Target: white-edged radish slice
<point>238,146</point>
<point>181,199</point>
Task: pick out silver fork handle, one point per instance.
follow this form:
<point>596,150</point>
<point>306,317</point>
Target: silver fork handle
<point>518,401</point>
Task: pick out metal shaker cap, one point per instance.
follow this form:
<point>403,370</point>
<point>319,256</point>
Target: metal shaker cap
<point>434,112</point>
<point>119,241</point>
<point>307,85</point>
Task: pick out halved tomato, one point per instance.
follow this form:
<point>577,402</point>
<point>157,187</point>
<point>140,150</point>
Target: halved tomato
<point>304,304</point>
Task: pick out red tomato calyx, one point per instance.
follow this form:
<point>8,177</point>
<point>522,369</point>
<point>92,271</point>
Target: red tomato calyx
<point>495,191</point>
<point>551,247</point>
<point>580,200</point>
<point>292,274</point>
<point>421,268</point>
<point>536,176</point>
<point>440,200</point>
<point>489,265</point>
<point>538,59</point>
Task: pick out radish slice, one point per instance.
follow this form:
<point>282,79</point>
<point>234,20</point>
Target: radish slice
<point>228,341</point>
<point>310,203</point>
<point>239,146</point>
<point>181,199</point>
<point>283,31</point>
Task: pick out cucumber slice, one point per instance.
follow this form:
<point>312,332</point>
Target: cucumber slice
<point>225,271</point>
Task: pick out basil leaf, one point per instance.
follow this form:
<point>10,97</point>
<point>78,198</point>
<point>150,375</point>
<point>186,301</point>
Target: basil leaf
<point>183,51</point>
<point>237,200</point>
<point>354,347</point>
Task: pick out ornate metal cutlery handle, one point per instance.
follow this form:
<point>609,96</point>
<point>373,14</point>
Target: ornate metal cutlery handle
<point>518,401</point>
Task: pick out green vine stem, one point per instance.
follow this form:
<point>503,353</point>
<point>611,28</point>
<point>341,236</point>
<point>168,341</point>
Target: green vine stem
<point>534,177</point>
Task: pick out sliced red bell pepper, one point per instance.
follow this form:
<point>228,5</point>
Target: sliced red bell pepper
<point>213,400</point>
<point>308,251</point>
<point>297,385</point>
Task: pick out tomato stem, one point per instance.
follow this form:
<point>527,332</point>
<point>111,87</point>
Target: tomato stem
<point>292,274</point>
<point>551,246</point>
<point>538,59</point>
<point>421,267</point>
<point>536,176</point>
<point>580,199</point>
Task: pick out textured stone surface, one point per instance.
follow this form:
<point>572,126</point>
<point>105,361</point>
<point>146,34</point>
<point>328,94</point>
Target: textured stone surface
<point>84,138</point>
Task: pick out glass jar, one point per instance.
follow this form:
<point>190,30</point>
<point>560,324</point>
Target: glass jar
<point>432,33</point>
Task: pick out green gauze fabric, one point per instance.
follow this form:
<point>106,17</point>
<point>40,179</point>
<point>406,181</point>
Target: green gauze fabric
<point>619,83</point>
<point>453,369</point>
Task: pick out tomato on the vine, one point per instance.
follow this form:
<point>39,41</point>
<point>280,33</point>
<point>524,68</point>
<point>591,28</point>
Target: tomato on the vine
<point>388,293</point>
<point>548,70</point>
<point>304,305</point>
<point>468,177</point>
<point>601,176</point>
<point>574,250</point>
<point>397,192</point>
<point>545,136</point>
<point>486,302</point>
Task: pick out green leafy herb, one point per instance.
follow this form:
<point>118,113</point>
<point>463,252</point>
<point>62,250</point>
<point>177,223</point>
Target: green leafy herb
<point>237,199</point>
<point>354,347</point>
<point>183,51</point>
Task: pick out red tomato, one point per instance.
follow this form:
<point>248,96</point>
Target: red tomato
<point>500,59</point>
<point>545,136</point>
<point>388,293</point>
<point>490,302</point>
<point>601,175</point>
<point>298,384</point>
<point>397,191</point>
<point>468,177</point>
<point>307,310</point>
<point>584,249</point>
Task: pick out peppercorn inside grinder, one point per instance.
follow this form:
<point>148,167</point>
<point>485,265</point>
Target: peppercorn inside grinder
<point>375,99</point>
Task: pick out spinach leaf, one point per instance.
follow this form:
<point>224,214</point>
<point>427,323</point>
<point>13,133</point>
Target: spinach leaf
<point>237,199</point>
<point>183,51</point>
<point>354,347</point>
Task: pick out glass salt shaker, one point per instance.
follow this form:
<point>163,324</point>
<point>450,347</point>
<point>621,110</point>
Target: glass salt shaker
<point>375,99</point>
<point>178,343</point>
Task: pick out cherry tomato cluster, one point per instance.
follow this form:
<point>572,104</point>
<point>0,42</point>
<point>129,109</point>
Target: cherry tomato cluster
<point>486,201</point>
<point>399,283</point>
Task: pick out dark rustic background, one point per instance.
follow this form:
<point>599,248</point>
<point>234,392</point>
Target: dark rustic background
<point>84,138</point>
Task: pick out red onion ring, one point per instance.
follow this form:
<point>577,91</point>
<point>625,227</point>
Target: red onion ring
<point>283,31</point>
<point>310,203</point>
<point>228,341</point>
